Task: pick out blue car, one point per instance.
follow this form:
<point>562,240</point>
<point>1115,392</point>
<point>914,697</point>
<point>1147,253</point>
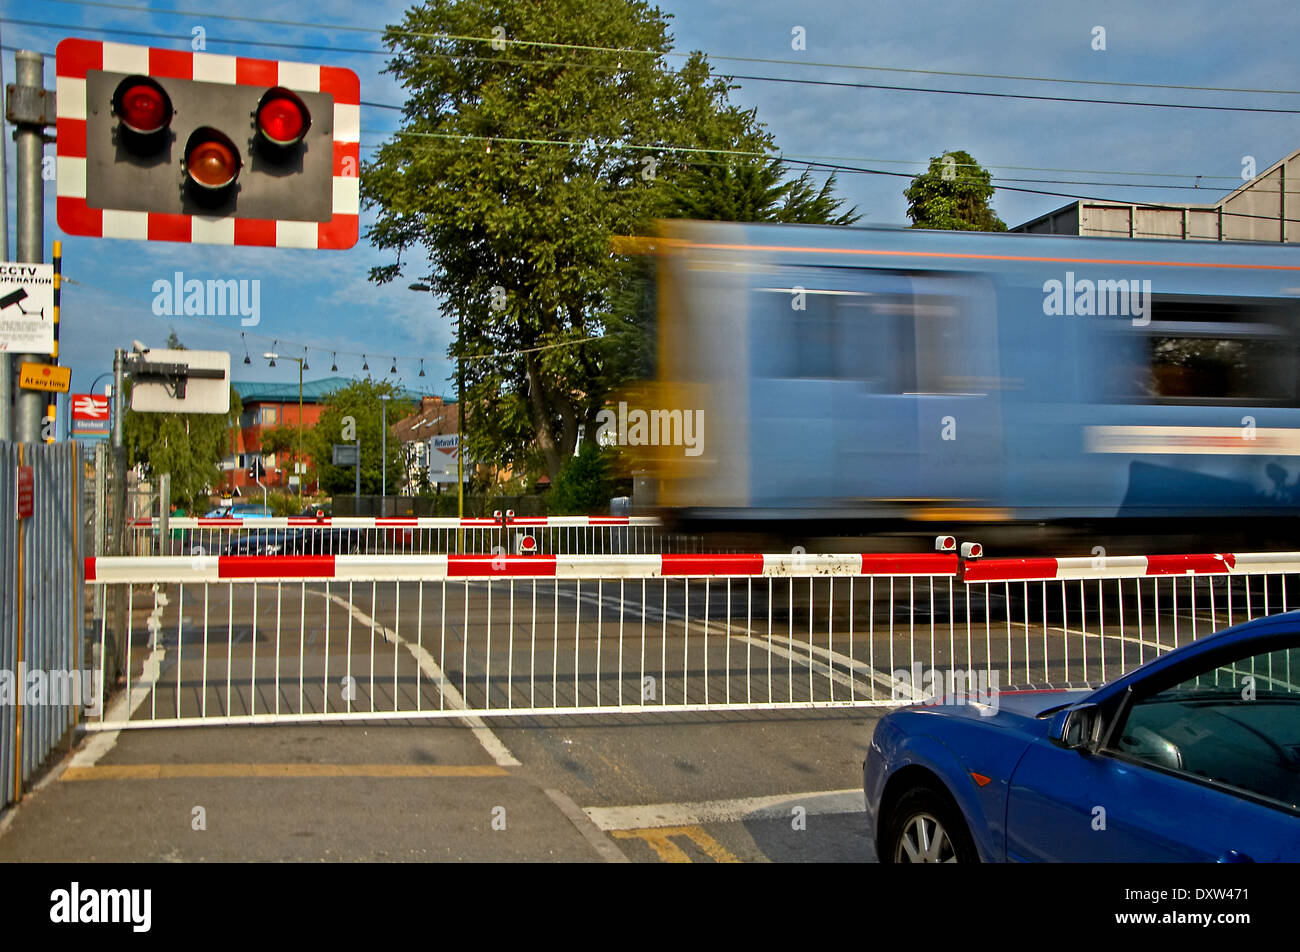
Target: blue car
<point>1193,757</point>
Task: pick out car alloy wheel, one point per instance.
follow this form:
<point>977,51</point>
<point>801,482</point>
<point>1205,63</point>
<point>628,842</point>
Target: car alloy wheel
<point>924,840</point>
<point>925,826</point>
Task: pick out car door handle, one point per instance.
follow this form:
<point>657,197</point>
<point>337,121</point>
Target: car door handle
<point>1232,856</point>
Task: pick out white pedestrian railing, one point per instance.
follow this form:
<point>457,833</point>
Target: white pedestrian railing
<point>246,639</point>
<point>306,535</point>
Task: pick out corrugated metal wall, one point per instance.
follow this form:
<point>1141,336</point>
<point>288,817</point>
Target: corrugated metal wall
<point>37,711</point>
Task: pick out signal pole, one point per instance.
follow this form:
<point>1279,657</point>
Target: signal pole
<point>26,109</point>
<point>6,364</point>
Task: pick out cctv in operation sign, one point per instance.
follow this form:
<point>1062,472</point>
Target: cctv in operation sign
<point>26,308</point>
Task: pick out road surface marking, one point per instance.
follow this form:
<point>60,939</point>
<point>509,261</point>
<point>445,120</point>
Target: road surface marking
<point>660,840</point>
<point>482,733</point>
<point>608,851</point>
<point>102,742</point>
<point>182,771</point>
<point>655,815</point>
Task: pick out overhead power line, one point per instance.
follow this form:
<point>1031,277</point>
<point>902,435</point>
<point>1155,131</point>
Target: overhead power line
<point>802,63</point>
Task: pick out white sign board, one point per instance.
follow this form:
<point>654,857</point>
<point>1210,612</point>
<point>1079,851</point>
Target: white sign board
<point>442,458</point>
<point>26,308</point>
<point>150,394</point>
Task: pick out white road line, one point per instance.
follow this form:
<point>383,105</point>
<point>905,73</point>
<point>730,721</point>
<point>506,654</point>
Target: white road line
<point>102,742</point>
<point>648,816</point>
<point>491,743</point>
<point>601,843</point>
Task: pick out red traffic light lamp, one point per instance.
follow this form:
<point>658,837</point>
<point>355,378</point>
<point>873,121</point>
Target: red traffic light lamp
<point>142,106</point>
<point>282,118</point>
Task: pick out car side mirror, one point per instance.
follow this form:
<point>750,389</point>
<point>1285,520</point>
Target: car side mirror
<point>1077,728</point>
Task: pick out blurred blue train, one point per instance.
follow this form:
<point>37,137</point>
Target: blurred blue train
<point>888,377</point>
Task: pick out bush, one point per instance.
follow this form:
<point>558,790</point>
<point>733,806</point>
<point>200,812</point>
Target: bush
<point>585,484</point>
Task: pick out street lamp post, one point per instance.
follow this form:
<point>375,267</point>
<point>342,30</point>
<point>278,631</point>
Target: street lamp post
<point>383,456</point>
<point>273,357</point>
<point>460,414</point>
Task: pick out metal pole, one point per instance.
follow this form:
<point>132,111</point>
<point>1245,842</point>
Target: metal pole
<point>383,457</point>
<point>460,425</point>
<point>6,362</point>
<point>303,475</point>
<point>357,504</point>
<point>29,405</point>
<point>119,368</point>
<point>117,645</point>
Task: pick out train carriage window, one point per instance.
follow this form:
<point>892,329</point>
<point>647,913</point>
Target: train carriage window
<point>1209,351</point>
<point>839,335</point>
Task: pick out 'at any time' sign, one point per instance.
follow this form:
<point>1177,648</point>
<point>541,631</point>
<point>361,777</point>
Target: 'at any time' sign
<point>26,308</point>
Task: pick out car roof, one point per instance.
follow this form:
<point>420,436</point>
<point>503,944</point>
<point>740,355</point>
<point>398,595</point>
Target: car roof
<point>1227,640</point>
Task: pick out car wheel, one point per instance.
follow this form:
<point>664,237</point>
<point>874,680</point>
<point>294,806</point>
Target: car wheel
<point>926,827</point>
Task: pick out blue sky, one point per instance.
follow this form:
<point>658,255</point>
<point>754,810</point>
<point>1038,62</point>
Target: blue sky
<point>323,300</point>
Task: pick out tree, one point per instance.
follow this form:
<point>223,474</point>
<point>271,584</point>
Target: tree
<point>744,189</point>
<point>514,167</point>
<point>756,189</point>
<point>360,401</point>
<point>953,194</point>
<point>586,483</point>
<point>188,446</point>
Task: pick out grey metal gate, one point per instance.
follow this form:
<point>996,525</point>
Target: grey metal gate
<point>44,673</point>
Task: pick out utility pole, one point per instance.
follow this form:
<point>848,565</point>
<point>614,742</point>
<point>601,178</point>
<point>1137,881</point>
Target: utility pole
<point>6,362</point>
<point>28,107</point>
<point>383,455</point>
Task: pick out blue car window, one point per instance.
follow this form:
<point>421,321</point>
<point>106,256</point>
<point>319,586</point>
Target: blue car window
<point>1237,724</point>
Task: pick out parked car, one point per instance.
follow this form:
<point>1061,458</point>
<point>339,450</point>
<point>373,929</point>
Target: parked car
<point>242,510</point>
<point>1195,756</point>
<point>296,541</point>
<point>263,542</point>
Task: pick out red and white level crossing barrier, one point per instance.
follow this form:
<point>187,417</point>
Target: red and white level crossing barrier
<point>397,522</point>
<point>309,535</point>
<point>354,568</point>
<point>1128,566</point>
<point>309,638</point>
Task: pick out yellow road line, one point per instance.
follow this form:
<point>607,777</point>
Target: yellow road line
<point>660,840</point>
<point>178,771</point>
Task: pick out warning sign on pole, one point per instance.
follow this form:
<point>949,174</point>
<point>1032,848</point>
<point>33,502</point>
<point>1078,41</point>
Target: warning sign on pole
<point>26,492</point>
<point>26,308</point>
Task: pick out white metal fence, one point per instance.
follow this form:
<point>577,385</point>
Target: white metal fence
<point>242,640</point>
<point>305,535</point>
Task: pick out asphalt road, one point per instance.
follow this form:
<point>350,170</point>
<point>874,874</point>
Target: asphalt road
<point>645,785</point>
<point>664,788</point>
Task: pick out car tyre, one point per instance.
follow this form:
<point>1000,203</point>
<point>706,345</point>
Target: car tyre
<point>925,826</point>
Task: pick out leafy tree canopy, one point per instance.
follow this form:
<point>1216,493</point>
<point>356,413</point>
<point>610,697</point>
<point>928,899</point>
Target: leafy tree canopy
<point>351,412</point>
<point>953,194</point>
<point>516,164</point>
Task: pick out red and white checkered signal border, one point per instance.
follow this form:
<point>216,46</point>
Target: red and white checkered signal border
<point>75,57</point>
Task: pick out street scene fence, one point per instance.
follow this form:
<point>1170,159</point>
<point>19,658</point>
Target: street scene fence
<point>44,675</point>
<point>245,640</point>
<point>305,535</point>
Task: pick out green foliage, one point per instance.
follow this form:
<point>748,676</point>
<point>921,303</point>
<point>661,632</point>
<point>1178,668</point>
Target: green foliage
<point>754,189</point>
<point>188,446</point>
<point>284,503</point>
<point>585,485</point>
<point>536,219</point>
<point>361,401</point>
<point>953,194</point>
